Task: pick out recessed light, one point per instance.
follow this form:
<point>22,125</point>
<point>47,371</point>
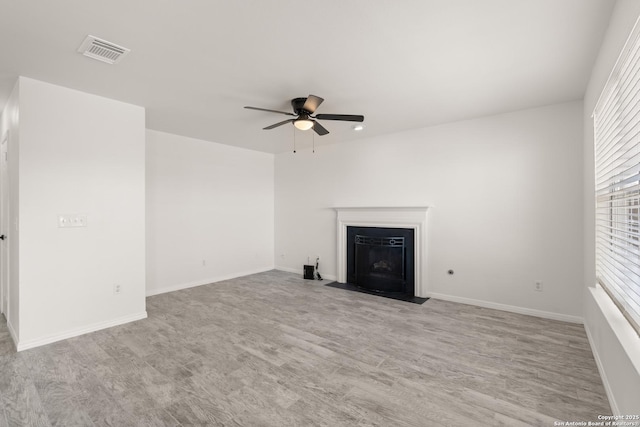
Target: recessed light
<point>358,127</point>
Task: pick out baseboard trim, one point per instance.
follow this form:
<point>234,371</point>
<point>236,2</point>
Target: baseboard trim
<point>509,308</point>
<point>603,373</point>
<point>37,342</point>
<point>289,270</point>
<point>300,272</point>
<point>181,286</point>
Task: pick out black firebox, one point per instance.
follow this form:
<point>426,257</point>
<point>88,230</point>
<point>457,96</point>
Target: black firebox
<point>381,260</point>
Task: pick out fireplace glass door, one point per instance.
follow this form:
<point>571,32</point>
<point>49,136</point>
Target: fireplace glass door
<point>381,260</point>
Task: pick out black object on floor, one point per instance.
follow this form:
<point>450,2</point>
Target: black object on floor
<point>399,297</point>
<point>309,272</point>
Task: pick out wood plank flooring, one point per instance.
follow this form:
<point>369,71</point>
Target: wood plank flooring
<point>272,349</point>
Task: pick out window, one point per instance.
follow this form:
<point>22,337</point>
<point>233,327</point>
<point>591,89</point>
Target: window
<point>617,169</point>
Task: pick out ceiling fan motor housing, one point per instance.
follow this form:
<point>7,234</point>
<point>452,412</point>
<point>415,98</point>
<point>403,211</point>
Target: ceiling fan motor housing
<point>297,104</point>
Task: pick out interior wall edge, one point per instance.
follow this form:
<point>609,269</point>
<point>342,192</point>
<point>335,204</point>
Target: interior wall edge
<point>299,271</point>
<point>509,308</point>
<point>202,282</point>
<point>40,341</point>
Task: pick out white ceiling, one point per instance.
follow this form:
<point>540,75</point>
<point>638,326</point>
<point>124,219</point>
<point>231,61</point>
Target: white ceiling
<point>403,64</point>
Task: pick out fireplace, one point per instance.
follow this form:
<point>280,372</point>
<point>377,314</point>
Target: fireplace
<point>412,218</point>
<point>381,259</point>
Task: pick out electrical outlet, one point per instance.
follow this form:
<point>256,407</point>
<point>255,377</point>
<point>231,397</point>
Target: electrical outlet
<point>117,289</point>
<point>72,220</point>
<point>538,286</point>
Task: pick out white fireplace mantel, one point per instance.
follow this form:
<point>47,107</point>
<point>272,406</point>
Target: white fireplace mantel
<point>411,217</point>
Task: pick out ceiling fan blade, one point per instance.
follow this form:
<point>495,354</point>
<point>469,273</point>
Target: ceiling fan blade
<point>343,117</point>
<point>312,103</point>
<point>319,129</point>
<point>278,124</point>
<point>271,111</point>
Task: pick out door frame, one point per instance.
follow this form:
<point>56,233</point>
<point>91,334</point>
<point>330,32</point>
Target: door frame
<point>4,225</point>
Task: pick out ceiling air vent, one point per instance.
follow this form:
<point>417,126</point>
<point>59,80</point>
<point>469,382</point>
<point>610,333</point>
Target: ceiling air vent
<point>102,50</point>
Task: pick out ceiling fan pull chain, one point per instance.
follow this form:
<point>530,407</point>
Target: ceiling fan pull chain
<point>313,142</point>
<point>294,139</point>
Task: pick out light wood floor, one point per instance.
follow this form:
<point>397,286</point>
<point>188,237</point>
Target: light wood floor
<point>272,349</point>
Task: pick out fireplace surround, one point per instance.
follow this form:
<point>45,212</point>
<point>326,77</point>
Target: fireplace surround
<point>413,218</point>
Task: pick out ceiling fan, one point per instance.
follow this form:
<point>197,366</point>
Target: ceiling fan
<point>303,110</point>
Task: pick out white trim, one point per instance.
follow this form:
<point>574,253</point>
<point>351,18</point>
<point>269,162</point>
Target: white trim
<point>603,373</point>
<point>510,308</point>
<point>623,335</point>
<point>5,275</point>
<point>411,217</point>
<point>37,342</point>
<point>301,272</point>
<point>201,282</point>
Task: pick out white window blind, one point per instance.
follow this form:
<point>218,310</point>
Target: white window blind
<point>617,170</point>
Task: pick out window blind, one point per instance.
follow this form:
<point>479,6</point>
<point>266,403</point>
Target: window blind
<point>617,174</point>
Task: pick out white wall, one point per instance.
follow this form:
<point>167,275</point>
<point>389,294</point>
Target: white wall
<point>615,345</point>
<point>79,154</point>
<point>209,212</point>
<point>506,193</point>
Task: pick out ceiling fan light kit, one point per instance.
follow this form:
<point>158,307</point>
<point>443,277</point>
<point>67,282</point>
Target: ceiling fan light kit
<point>303,110</point>
<point>303,123</point>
